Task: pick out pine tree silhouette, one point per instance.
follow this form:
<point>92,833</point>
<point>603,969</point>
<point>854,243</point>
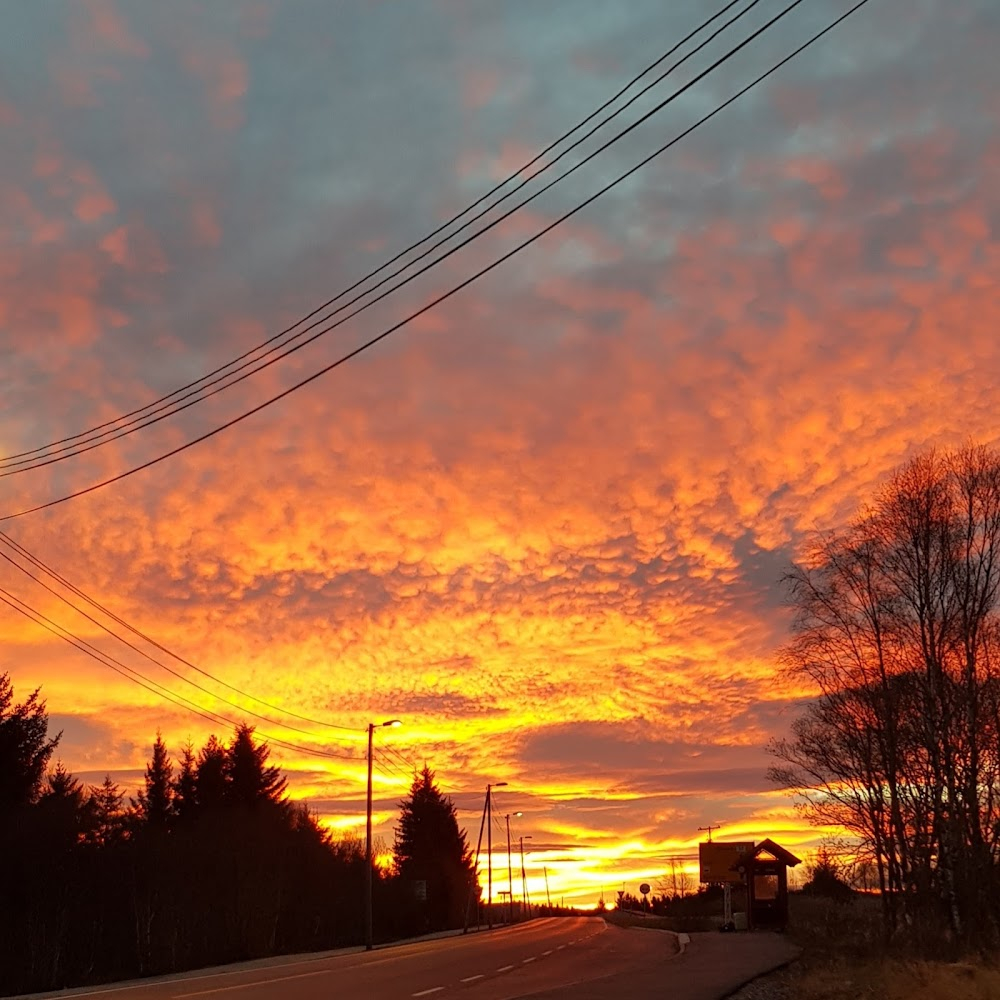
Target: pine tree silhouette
<point>154,805</point>
<point>25,749</point>
<point>430,848</point>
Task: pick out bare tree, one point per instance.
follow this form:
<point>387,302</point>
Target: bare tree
<point>897,627</point>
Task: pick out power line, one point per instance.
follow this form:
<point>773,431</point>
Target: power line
<point>117,435</point>
<point>475,276</point>
<point>152,659</point>
<point>145,682</point>
<point>39,564</point>
<point>408,764</point>
<point>498,187</point>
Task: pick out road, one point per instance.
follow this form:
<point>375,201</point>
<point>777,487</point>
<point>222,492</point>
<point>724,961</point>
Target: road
<point>536,957</point>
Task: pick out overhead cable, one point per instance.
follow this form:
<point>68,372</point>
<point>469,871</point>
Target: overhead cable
<point>367,345</point>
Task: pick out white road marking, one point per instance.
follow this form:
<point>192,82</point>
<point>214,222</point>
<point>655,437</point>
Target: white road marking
<point>549,952</point>
<point>525,961</point>
<point>423,993</point>
<point>472,979</point>
<point>254,982</point>
<point>560,948</point>
<point>505,968</point>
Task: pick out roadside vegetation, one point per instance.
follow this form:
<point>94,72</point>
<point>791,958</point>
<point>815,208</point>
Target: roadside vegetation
<point>210,863</point>
<point>897,629</point>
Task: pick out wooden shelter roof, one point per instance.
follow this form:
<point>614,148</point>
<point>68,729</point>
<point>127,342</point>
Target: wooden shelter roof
<point>779,852</point>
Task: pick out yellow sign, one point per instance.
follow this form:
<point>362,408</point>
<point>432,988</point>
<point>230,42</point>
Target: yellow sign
<point>721,862</point>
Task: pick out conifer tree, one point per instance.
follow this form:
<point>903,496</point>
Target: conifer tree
<point>185,785</point>
<point>251,780</point>
<point>210,775</point>
<point>25,749</point>
<point>430,848</point>
<point>64,805</point>
<point>154,805</point>
<point>107,813</point>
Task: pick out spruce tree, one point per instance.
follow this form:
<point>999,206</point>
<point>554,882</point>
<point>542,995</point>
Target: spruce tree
<point>24,747</point>
<point>430,848</point>
<point>185,786</point>
<point>107,813</point>
<point>154,805</point>
<point>251,781</point>
<point>210,775</point>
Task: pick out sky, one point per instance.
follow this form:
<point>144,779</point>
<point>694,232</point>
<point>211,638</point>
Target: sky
<point>545,523</point>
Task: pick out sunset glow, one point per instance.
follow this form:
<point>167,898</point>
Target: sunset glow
<point>545,524</point>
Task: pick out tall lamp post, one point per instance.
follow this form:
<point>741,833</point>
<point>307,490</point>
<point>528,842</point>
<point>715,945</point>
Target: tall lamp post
<point>524,880</point>
<point>372,726</point>
<point>510,871</point>
<point>489,849</point>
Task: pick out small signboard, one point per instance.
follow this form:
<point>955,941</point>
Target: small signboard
<point>721,862</point>
<point>644,888</point>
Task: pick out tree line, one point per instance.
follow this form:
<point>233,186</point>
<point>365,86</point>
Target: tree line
<point>211,862</point>
<point>897,625</point>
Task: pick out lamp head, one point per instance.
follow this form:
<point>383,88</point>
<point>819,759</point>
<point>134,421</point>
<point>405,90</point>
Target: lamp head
<point>392,722</point>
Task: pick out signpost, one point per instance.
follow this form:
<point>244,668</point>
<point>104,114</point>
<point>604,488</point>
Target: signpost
<point>644,889</point>
<point>720,862</point>
<point>728,865</point>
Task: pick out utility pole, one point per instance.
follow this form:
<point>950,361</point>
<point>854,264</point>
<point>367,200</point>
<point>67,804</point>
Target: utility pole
<point>710,828</point>
<point>548,898</point>
<point>475,880</point>
<point>489,858</point>
<point>524,880</point>
<point>510,875</point>
<point>369,940</point>
<point>489,849</point>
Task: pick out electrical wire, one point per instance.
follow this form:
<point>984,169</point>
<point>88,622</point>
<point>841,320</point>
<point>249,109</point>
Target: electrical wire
<point>41,462</point>
<point>408,764</point>
<point>466,282</point>
<point>137,677</point>
<point>53,574</point>
<point>498,187</point>
<point>152,659</point>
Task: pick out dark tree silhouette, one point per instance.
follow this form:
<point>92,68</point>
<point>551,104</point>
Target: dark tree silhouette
<point>154,805</point>
<point>898,627</point>
<point>24,747</point>
<point>213,867</point>
<point>210,775</point>
<point>251,781</point>
<point>431,849</point>
<point>185,785</point>
<point>108,819</point>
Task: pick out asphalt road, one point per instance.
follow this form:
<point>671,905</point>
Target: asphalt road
<point>536,957</point>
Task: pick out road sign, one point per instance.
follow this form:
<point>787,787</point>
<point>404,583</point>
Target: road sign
<point>721,862</point>
<point>644,888</point>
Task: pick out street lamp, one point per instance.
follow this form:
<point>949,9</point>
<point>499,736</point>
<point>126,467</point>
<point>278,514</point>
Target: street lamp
<point>372,726</point>
<point>489,849</point>
<point>510,873</point>
<point>524,880</point>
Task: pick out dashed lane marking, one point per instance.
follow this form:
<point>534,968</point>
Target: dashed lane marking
<point>256,982</point>
<point>423,993</point>
<point>505,968</point>
<point>549,952</point>
<point>525,961</point>
<point>472,979</point>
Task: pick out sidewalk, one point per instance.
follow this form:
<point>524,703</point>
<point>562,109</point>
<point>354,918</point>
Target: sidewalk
<point>711,967</point>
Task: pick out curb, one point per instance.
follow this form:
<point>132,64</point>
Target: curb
<point>760,975</point>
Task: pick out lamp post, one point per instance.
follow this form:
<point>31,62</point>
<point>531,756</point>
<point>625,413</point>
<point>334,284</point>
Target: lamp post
<point>368,834</point>
<point>510,872</point>
<point>489,849</point>
<point>524,880</point>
